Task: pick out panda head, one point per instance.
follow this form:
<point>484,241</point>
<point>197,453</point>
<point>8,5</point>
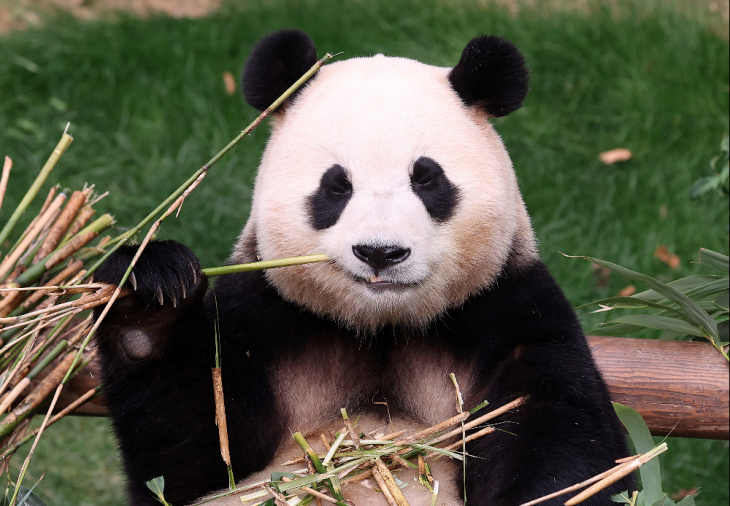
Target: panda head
<point>392,168</point>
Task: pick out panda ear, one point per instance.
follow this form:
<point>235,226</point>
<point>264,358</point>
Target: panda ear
<point>275,63</point>
<point>491,75</point>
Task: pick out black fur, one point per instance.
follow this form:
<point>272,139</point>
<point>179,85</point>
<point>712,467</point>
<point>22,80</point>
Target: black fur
<point>491,75</point>
<point>327,203</point>
<point>521,333</point>
<point>434,189</point>
<point>275,63</point>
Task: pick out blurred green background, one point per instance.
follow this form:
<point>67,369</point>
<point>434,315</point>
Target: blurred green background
<point>148,106</point>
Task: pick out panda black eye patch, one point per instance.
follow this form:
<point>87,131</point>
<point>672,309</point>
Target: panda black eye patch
<point>434,189</point>
<point>326,204</point>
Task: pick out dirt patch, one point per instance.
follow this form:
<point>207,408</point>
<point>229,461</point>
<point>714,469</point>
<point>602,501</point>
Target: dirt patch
<point>21,14</point>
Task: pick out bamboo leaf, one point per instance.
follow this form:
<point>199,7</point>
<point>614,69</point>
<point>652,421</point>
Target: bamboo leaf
<point>618,330</point>
<point>693,312</point>
<point>156,485</point>
<point>723,300</point>
<point>688,501</point>
<point>661,323</point>
<point>715,259</point>
<point>684,285</point>
<point>651,477</point>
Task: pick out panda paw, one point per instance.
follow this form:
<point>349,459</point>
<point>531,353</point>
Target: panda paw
<point>167,273</point>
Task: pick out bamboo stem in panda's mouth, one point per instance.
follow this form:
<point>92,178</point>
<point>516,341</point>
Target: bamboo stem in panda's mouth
<point>265,264</point>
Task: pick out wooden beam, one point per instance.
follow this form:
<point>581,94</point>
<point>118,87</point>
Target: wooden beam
<point>682,387</point>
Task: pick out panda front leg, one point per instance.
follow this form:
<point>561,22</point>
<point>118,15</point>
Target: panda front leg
<point>565,433</point>
<point>157,350</point>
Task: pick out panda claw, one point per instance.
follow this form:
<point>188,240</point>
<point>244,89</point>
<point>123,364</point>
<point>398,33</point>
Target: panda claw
<point>195,274</point>
<point>184,294</point>
<point>174,301</point>
<point>160,298</point>
<point>133,281</point>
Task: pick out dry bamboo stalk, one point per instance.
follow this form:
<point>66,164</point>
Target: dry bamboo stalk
<point>397,459</point>
<point>40,392</point>
<point>49,198</point>
<point>279,499</point>
<point>620,471</point>
<point>326,444</point>
<point>390,483</point>
<point>83,217</point>
<point>48,308</point>
<point>66,273</point>
<point>391,436</point>
<point>478,421</point>
<point>9,303</point>
<point>10,376</point>
<point>4,181</point>
<point>436,428</point>
<point>77,200</point>
<point>383,487</point>
<point>220,415</point>
<point>87,287</point>
<point>71,247</point>
<point>471,437</point>
<point>13,257</point>
<point>312,492</point>
<point>14,394</point>
<point>575,487</point>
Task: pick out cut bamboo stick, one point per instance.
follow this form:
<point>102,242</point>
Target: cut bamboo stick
<point>61,224</point>
<point>13,257</point>
<point>4,181</point>
<point>33,190</point>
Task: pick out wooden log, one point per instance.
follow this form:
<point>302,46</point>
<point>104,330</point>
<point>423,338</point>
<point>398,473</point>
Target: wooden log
<point>677,386</point>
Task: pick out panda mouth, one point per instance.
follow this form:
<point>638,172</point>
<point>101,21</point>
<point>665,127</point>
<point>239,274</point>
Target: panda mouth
<point>379,283</point>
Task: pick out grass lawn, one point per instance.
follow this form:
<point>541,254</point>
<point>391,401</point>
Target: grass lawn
<point>148,106</point>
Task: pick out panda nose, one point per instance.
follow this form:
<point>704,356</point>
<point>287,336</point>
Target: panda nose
<point>380,257</point>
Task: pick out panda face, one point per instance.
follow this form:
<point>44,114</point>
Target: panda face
<point>380,165</point>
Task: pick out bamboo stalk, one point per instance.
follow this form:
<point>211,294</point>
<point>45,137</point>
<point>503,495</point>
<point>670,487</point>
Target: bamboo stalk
<point>220,415</point>
<point>383,487</point>
<point>36,271</point>
<point>61,224</point>
<point>623,470</point>
<point>84,215</point>
<point>66,273</point>
<point>482,419</point>
<point>265,264</point>
<point>436,428</point>
<point>79,240</point>
<point>575,487</point>
<point>14,393</point>
<point>204,169</point>
<point>34,399</point>
<point>65,141</point>
<point>4,181</point>
<point>390,483</point>
<point>13,257</point>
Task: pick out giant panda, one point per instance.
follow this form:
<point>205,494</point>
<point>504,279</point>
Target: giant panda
<point>392,168</point>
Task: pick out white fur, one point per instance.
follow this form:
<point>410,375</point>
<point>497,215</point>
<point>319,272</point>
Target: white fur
<point>375,117</point>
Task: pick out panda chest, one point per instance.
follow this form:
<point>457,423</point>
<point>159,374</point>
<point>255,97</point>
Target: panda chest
<point>411,381</point>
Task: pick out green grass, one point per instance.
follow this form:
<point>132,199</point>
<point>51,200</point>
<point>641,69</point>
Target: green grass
<point>147,106</point>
